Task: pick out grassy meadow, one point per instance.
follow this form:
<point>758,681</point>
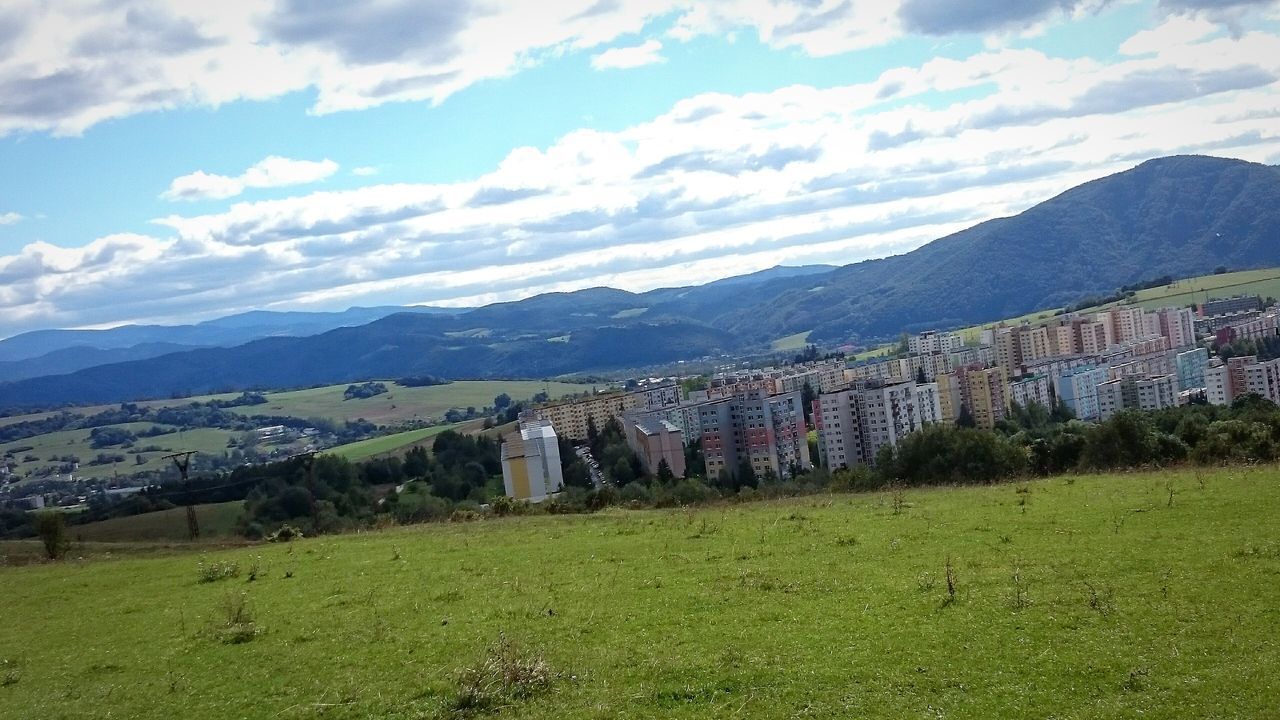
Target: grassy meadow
<point>395,443</point>
<point>399,404</point>
<point>1121,596</point>
<point>46,448</point>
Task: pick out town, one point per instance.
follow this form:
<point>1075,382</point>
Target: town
<point>758,421</point>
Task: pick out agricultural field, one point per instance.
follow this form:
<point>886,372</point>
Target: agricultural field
<point>217,520</point>
<point>791,342</point>
<point>1121,596</point>
<point>400,404</point>
<point>1196,290</point>
<point>397,443</point>
<point>44,450</point>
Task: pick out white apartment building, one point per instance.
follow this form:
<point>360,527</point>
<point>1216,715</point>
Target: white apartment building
<point>931,341</point>
<point>1137,392</point>
<point>1036,389</point>
<point>854,424</point>
<point>531,462</point>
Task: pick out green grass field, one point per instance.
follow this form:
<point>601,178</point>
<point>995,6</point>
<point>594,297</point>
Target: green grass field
<point>76,442</point>
<point>1092,597</point>
<point>217,520</point>
<point>395,443</point>
<point>404,403</point>
<point>791,342</point>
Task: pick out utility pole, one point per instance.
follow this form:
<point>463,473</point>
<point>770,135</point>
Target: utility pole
<point>182,461</point>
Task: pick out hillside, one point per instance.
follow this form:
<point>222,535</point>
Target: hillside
<point>1080,597</point>
<point>1179,216</point>
<point>1176,216</point>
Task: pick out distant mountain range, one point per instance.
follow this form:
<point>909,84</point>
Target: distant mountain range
<point>1179,216</point>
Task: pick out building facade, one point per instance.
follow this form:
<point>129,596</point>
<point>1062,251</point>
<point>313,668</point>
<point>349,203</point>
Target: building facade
<point>531,462</point>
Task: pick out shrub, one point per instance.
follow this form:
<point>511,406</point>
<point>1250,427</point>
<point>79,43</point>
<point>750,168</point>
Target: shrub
<point>51,526</point>
<point>236,623</point>
<point>692,492</point>
<point>215,571</point>
<point>286,533</point>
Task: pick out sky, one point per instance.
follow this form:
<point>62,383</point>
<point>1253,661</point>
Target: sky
<point>172,161</point>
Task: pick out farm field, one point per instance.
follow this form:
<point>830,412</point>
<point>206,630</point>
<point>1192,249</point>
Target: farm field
<point>50,446</point>
<point>365,449</point>
<point>1196,290</point>
<point>217,520</point>
<point>1121,596</point>
<point>404,403</point>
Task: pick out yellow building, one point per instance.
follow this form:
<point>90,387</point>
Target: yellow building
<point>531,462</point>
<point>570,418</point>
<point>986,394</point>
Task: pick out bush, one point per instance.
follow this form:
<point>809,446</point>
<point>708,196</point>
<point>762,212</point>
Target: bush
<point>636,493</point>
<point>692,492</point>
<point>51,526</point>
<point>215,571</point>
<point>286,533</point>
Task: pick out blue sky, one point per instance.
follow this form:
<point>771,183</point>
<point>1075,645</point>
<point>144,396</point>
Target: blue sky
<point>164,162</point>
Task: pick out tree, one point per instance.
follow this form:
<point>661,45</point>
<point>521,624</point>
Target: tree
<point>965,419</point>
<point>664,474</point>
<point>622,473</point>
<point>502,401</point>
<point>745,475</point>
<point>807,396</point>
<point>920,376</point>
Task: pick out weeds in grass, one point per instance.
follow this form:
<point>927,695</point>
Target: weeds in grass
<point>1006,539</point>
<point>1018,582</point>
<point>1137,680</point>
<point>235,619</point>
<point>926,581</point>
<point>503,677</point>
<point>846,541</point>
<point>899,499</point>
<point>207,572</point>
<point>1100,599</point>
<point>395,554</point>
<point>9,674</point>
<point>951,584</point>
<point>257,569</point>
<point>705,529</point>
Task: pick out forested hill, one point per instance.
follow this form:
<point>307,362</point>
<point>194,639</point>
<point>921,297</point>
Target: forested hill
<point>1178,216</point>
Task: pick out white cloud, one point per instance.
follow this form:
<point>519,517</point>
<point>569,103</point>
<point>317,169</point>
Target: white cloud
<point>720,184</point>
<point>625,58</point>
<point>10,218</point>
<point>1177,30</point>
<point>364,171</point>
<point>270,172</point>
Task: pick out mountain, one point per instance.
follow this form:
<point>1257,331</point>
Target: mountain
<point>70,359</point>
<point>222,332</point>
<point>1179,216</point>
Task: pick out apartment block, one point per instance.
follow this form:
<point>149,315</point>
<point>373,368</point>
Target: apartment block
<point>1262,326</point>
<point>985,392</point>
<point>1008,344</point>
<point>931,342</point>
<point>949,397</point>
<point>655,394</point>
<point>1094,338</point>
<point>854,424</point>
<point>1191,365</point>
<point>531,462</point>
<point>1078,388</point>
<point>1234,304</point>
<point>654,440</point>
<point>570,419</point>
<point>1037,389</point>
<point>1263,379</point>
<point>1178,325</point>
<point>768,431</point>
<point>1137,392</point>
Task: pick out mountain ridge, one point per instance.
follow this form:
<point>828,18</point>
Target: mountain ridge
<point>1179,216</point>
